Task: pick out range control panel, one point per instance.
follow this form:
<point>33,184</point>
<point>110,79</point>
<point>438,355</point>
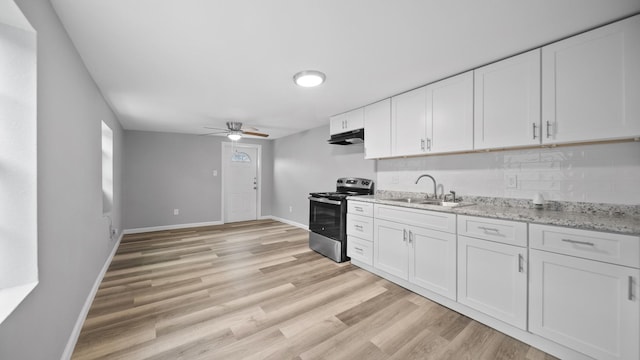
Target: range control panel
<point>354,183</point>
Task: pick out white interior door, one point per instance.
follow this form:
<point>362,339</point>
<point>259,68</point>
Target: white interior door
<point>241,182</point>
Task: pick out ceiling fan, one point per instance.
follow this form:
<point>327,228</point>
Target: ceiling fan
<point>235,130</point>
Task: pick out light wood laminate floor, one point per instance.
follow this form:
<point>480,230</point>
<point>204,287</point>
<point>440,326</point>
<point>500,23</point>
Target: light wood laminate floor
<point>254,290</point>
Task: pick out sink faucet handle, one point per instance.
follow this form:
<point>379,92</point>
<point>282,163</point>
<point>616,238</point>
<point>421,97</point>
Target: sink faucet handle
<point>452,194</point>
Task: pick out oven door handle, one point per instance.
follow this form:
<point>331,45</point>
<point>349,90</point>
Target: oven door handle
<point>326,201</point>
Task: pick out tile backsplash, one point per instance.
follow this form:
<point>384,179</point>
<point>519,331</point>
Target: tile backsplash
<point>600,173</point>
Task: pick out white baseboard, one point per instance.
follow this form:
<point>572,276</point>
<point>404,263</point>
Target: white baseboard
<point>170,227</point>
<point>286,221</point>
<point>75,333</point>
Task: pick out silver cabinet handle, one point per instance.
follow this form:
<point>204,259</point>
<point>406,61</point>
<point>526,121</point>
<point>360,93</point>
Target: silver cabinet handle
<point>488,229</point>
<point>534,131</point>
<point>358,208</point>
<point>630,287</point>
<point>410,237</point>
<point>358,249</point>
<point>422,144</point>
<point>404,235</point>
<point>520,261</point>
<point>548,129</point>
<point>428,144</point>
<point>358,227</point>
<point>579,242</point>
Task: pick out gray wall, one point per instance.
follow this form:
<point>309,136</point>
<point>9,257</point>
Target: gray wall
<point>73,239</point>
<point>165,171</point>
<point>305,163</point>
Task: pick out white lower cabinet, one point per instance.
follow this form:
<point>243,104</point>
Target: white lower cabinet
<point>432,262</point>
<point>360,231</point>
<point>589,306</point>
<point>422,256</point>
<point>574,292</point>
<point>391,249</point>
<point>492,278</point>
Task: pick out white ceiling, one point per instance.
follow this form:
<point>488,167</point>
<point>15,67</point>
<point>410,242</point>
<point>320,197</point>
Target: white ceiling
<point>180,65</point>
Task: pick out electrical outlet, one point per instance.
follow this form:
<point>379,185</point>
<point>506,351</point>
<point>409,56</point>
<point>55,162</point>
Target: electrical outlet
<point>176,211</point>
<point>290,208</point>
<point>215,172</point>
<point>512,181</point>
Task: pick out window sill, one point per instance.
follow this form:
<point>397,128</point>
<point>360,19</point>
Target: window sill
<point>11,297</point>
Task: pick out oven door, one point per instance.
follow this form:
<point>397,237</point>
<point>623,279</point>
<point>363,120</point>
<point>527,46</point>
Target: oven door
<point>327,217</point>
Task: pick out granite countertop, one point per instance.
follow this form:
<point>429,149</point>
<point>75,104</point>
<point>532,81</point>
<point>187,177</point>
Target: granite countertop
<point>588,216</point>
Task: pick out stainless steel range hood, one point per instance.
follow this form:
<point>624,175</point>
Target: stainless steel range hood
<point>347,138</point>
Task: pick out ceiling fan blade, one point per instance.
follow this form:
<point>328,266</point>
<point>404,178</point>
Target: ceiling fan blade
<point>255,133</point>
<point>213,133</point>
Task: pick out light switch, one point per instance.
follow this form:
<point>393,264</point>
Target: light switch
<point>512,181</point>
<point>215,172</point>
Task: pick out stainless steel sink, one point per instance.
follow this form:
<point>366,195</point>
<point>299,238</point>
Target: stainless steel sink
<point>423,201</point>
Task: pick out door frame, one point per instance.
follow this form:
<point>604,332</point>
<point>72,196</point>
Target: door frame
<point>227,147</point>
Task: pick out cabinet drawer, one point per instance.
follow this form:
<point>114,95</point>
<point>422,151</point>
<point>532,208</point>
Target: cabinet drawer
<point>361,250</point>
<point>360,226</point>
<point>427,219</point>
<point>359,208</point>
<point>607,247</point>
<point>503,231</point>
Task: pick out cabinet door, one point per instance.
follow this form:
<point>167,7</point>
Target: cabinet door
<point>391,248</point>
<point>408,113</point>
<point>589,306</point>
<point>377,129</point>
<point>354,119</point>
<point>591,85</point>
<point>507,102</point>
<point>337,124</point>
<point>450,114</point>
<point>432,263</point>
<point>492,279</point>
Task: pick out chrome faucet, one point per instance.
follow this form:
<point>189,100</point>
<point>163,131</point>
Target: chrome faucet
<point>435,186</point>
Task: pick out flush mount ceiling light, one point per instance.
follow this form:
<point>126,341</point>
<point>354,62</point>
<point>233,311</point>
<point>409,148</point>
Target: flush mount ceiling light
<point>309,78</point>
<point>234,135</point>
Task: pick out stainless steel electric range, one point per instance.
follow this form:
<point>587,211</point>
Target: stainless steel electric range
<point>328,217</point>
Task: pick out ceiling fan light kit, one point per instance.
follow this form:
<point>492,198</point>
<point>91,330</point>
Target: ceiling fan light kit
<point>234,136</point>
<point>309,78</point>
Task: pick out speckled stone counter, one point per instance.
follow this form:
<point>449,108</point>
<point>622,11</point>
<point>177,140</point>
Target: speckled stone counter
<point>621,219</point>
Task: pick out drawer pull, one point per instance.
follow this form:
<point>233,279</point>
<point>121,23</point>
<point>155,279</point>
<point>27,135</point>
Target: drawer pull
<point>578,242</point>
<point>404,235</point>
<point>410,237</point>
<point>630,287</point>
<point>358,208</point>
<point>488,229</point>
<point>359,249</point>
<point>358,227</point>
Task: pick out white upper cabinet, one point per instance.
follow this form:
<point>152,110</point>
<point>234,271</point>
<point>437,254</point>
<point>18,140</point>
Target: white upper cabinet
<point>351,120</point>
<point>450,114</point>
<point>507,102</point>
<point>408,114</point>
<point>377,129</point>
<point>591,85</point>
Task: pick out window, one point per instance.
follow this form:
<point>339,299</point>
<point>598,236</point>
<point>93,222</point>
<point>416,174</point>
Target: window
<point>239,156</point>
<point>18,160</point>
<point>107,168</point>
